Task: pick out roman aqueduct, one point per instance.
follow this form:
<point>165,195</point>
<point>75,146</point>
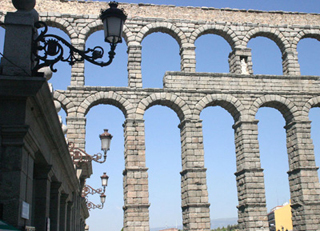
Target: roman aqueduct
<point>187,93</point>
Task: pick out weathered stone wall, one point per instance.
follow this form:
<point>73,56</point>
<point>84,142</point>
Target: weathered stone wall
<point>208,14</point>
<point>240,92</point>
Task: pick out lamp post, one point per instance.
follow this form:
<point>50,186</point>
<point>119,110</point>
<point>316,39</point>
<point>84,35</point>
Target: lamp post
<point>87,189</point>
<point>48,48</point>
<point>78,155</point>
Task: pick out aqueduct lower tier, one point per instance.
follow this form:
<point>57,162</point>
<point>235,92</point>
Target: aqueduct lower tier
<point>187,93</point>
<point>242,96</point>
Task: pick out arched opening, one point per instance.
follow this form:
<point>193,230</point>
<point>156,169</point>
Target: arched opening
<point>99,118</point>
<point>160,53</point>
<point>113,75</point>
<point>163,160</point>
<point>266,56</point>
<point>61,79</point>
<point>212,53</point>
<point>314,116</point>
<point>273,155</point>
<point>2,33</point>
<point>220,161</point>
<point>63,115</point>
<point>308,56</point>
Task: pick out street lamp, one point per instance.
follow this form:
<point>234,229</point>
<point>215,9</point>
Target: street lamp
<point>105,138</point>
<point>104,180</point>
<point>48,49</point>
<point>78,155</point>
<point>87,189</point>
<point>103,199</point>
<point>113,20</point>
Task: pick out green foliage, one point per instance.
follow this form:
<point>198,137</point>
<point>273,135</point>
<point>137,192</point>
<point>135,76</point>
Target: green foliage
<point>228,228</point>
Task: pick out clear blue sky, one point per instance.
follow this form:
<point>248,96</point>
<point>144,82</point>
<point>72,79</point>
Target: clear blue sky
<point>162,134</point>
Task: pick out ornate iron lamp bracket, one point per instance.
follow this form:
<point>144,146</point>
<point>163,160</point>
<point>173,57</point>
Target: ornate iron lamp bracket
<point>91,205</point>
<point>79,156</point>
<point>48,50</point>
<point>87,189</point>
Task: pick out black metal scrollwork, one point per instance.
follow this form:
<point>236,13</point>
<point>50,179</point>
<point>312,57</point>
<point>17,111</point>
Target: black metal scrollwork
<point>47,51</point>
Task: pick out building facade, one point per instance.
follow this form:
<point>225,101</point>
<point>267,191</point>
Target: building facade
<point>39,185</point>
<point>280,218</point>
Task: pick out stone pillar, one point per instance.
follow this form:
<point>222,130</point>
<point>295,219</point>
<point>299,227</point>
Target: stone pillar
<point>55,205</point>
<point>252,211</point>
<point>63,212</point>
<point>77,216</point>
<point>42,185</point>
<point>136,195</point>
<point>134,65</point>
<point>188,58</point>
<point>82,225</point>
<point>290,64</point>
<point>77,70</point>
<point>76,131</point>
<point>303,177</point>
<point>194,194</point>
<point>69,216</point>
<point>15,164</point>
<point>16,86</point>
<point>240,61</point>
<point>73,214</point>
<point>18,43</point>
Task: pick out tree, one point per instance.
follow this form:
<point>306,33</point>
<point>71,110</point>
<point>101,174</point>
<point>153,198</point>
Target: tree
<point>228,228</point>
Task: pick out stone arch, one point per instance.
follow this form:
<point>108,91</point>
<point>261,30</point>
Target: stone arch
<point>287,108</point>
<point>90,28</point>
<point>170,100</point>
<point>67,105</point>
<point>224,31</point>
<point>97,25</point>
<point>271,33</point>
<point>1,20</point>
<point>228,102</point>
<point>61,24</point>
<point>110,97</point>
<point>308,33</point>
<point>313,102</point>
<point>163,27</point>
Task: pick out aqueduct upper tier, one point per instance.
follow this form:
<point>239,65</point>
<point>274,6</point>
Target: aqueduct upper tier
<point>186,92</point>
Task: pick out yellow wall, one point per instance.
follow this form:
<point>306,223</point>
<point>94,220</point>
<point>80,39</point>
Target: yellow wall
<point>283,218</point>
